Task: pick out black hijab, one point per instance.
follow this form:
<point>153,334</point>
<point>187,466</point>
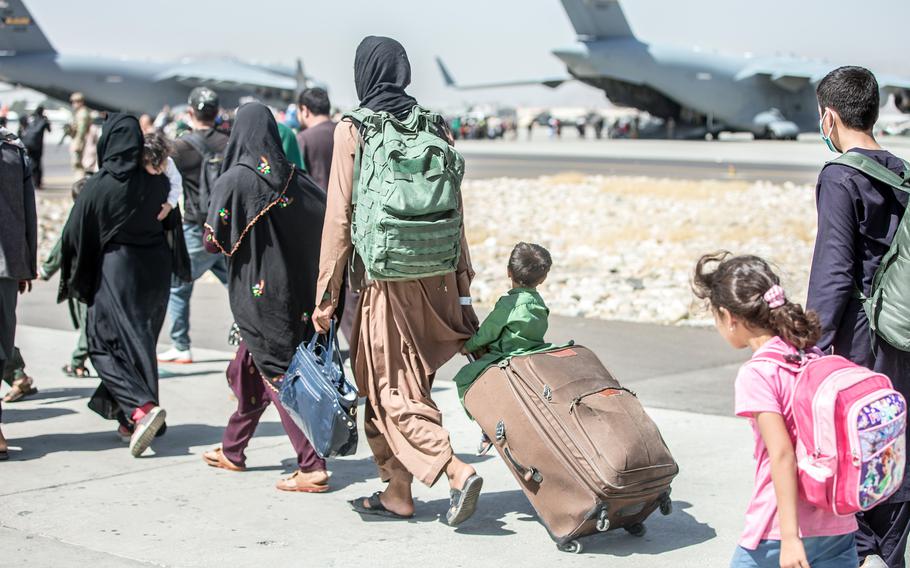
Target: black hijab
<point>381,74</point>
<point>254,147</point>
<point>108,201</point>
<point>267,218</point>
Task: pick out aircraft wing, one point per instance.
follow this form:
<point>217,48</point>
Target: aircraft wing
<point>793,77</point>
<point>551,82</point>
<point>787,77</point>
<point>892,84</point>
<point>228,74</point>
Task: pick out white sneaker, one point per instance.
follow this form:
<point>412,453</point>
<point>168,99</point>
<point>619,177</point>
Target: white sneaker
<point>174,355</point>
<point>874,561</point>
<point>145,431</point>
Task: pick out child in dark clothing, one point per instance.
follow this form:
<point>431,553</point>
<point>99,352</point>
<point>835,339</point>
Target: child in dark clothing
<point>857,220</point>
<point>76,367</point>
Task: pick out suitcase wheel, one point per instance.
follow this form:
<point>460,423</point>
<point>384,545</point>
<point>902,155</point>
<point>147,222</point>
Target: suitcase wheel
<point>666,506</point>
<point>603,521</point>
<point>572,547</point>
<point>638,529</point>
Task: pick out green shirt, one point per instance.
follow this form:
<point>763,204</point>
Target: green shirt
<point>290,146</point>
<point>516,326</point>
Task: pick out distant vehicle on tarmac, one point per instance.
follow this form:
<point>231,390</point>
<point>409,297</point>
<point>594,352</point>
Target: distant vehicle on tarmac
<point>704,93</point>
<point>28,59</point>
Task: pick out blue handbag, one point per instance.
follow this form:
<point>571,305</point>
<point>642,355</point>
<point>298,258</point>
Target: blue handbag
<point>318,397</point>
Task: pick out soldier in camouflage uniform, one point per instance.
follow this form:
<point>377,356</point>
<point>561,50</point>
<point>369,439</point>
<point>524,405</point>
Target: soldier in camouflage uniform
<point>82,121</point>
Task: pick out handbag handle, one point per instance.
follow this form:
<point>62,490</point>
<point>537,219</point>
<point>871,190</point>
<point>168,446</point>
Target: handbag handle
<point>332,346</point>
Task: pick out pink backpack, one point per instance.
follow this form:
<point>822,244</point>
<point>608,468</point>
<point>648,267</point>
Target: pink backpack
<point>850,431</point>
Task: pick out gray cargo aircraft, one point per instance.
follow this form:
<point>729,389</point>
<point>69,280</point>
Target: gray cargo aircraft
<point>27,58</point>
<point>703,92</point>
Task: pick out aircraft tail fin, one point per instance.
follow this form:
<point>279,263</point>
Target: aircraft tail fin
<point>19,33</point>
<point>446,75</point>
<point>300,76</point>
<point>601,19</point>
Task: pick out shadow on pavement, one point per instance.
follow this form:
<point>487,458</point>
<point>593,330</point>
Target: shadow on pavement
<point>181,437</point>
<point>22,414</point>
<point>44,444</point>
<point>676,531</point>
<point>66,394</point>
<point>166,374</point>
<point>679,530</point>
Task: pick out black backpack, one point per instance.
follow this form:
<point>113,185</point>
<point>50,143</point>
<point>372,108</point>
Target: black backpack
<point>209,170</point>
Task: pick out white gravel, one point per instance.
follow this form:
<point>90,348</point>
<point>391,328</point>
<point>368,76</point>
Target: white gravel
<point>623,248</point>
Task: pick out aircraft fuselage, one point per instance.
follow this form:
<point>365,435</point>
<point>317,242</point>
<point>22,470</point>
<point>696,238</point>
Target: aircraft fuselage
<point>107,83</point>
<point>689,85</point>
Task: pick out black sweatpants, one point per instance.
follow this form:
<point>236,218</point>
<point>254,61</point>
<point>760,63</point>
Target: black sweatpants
<point>883,531</point>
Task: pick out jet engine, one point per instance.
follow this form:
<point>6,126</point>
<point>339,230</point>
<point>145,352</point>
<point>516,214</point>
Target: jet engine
<point>902,100</point>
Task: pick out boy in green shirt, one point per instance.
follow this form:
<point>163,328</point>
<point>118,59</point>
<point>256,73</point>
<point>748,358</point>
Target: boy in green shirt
<point>518,322</point>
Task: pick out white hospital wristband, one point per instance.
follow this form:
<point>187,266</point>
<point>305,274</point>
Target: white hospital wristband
<point>464,300</point>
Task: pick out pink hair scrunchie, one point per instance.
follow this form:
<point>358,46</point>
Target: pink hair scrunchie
<point>775,297</point>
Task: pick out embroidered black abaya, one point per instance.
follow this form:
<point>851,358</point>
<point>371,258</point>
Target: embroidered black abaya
<point>267,216</point>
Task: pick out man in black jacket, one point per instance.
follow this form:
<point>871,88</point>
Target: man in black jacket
<point>33,138</point>
<point>857,220</point>
<point>18,242</point>
<point>190,151</point>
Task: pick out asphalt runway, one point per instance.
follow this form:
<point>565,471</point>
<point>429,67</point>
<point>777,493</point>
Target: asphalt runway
<point>483,166</point>
<point>797,162</point>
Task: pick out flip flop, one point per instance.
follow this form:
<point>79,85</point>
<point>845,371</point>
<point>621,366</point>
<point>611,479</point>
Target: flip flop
<point>376,507</point>
<point>464,501</point>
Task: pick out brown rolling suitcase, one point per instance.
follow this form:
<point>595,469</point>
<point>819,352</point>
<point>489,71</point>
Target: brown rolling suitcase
<point>581,446</point>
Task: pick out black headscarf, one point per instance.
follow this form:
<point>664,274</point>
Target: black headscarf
<point>381,74</point>
<point>108,201</point>
<point>267,218</point>
<point>254,147</point>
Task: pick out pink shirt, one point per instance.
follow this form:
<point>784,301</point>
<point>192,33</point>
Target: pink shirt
<point>765,387</point>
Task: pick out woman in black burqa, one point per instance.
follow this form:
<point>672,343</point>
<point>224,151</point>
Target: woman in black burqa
<point>118,258</point>
<point>266,217</point>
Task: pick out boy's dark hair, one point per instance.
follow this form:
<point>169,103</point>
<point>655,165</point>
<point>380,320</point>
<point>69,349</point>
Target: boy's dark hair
<point>79,185</point>
<point>315,99</point>
<point>529,264</point>
<point>155,149</point>
<point>853,93</point>
<point>739,284</point>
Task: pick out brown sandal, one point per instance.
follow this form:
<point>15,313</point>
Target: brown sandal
<point>22,388</point>
<point>292,483</point>
<point>215,458</point>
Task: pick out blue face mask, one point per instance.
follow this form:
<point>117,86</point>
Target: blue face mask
<point>826,138</point>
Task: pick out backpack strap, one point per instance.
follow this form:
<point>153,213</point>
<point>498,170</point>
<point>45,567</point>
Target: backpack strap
<point>195,143</point>
<point>901,182</point>
<point>871,168</point>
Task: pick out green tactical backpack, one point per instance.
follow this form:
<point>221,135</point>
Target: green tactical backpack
<point>407,196</point>
<point>888,303</point>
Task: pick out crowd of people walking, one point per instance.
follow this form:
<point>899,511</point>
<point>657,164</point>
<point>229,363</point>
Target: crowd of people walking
<point>274,217</point>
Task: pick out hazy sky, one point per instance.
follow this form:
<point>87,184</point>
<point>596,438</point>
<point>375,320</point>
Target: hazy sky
<point>480,40</point>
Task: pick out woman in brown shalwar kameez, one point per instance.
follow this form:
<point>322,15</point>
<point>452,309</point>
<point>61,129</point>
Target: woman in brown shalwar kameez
<point>404,330</point>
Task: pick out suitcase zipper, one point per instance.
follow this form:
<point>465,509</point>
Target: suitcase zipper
<point>590,476</point>
<point>578,399</point>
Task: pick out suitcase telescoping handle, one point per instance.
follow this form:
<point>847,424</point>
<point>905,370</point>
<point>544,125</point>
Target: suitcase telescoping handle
<point>529,474</point>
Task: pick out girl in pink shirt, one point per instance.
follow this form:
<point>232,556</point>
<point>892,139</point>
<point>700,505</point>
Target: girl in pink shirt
<point>751,310</point>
